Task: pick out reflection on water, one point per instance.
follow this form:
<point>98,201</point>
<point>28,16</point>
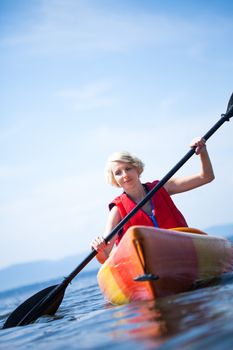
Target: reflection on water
<point>142,321</point>
<point>187,318</point>
<point>201,319</point>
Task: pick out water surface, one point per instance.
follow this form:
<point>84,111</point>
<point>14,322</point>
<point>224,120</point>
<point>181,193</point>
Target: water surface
<point>200,319</point>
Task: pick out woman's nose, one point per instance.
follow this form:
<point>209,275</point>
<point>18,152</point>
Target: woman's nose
<point>125,173</point>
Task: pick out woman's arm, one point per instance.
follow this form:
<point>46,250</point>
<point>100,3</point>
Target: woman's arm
<point>205,175</point>
<point>99,243</point>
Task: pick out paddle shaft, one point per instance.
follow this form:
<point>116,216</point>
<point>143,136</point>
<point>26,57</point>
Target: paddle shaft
<point>117,228</point>
<point>48,300</point>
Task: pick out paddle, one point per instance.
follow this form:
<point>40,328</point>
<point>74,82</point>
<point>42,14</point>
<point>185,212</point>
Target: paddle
<point>48,300</point>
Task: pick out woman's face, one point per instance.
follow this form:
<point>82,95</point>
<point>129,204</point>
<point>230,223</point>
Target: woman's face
<point>125,174</point>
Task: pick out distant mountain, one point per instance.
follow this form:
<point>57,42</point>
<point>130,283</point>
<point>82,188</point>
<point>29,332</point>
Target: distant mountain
<point>220,230</point>
<point>40,271</point>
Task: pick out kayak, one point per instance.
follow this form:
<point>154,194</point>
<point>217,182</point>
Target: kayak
<point>150,263</point>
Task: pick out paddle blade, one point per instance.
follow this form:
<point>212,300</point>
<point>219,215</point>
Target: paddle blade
<point>45,302</point>
<point>229,111</point>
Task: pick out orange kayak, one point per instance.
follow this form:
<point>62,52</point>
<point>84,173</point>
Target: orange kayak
<point>150,263</point>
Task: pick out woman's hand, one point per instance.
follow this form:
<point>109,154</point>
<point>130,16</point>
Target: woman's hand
<point>199,144</point>
<point>99,244</point>
<point>102,248</point>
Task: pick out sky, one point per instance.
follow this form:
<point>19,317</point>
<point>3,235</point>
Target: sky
<point>80,79</point>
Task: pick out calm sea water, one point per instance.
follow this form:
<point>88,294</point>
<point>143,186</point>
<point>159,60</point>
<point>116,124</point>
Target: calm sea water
<point>201,319</point>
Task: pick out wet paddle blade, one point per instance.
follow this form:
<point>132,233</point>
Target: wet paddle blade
<point>45,302</point>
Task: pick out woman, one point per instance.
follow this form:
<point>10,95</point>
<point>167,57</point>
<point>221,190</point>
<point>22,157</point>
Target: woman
<point>124,170</point>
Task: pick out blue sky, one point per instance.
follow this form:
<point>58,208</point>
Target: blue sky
<point>82,79</point>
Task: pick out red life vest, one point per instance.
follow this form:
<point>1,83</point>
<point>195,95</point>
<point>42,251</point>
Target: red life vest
<point>166,213</point>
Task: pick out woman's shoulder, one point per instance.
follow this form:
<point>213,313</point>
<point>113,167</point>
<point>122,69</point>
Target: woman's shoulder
<point>150,184</point>
<point>116,201</point>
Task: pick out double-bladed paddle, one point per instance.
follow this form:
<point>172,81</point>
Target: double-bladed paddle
<point>48,300</point>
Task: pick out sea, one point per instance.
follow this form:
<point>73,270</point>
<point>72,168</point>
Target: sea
<point>199,319</point>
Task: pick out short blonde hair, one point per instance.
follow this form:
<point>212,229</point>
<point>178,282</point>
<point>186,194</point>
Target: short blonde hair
<point>125,157</point>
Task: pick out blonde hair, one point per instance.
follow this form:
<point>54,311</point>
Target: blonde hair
<point>125,157</point>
